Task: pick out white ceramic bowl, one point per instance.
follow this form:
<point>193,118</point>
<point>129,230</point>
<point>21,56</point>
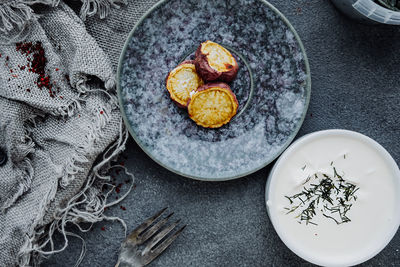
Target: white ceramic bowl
<point>294,242</point>
<point>368,11</point>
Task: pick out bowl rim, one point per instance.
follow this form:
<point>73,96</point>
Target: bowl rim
<point>210,178</point>
<point>292,149</point>
<point>385,8</point>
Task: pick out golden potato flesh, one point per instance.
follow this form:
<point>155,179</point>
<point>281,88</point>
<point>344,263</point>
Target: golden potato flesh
<point>214,62</point>
<point>218,57</point>
<point>212,107</point>
<point>181,81</point>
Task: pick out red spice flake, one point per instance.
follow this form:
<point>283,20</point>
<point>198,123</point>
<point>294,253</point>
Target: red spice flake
<point>122,207</point>
<point>15,76</point>
<point>67,77</point>
<point>11,70</point>
<point>22,67</point>
<point>61,97</point>
<point>103,228</point>
<point>28,90</point>
<point>117,189</point>
<point>57,69</point>
<point>0,54</point>
<point>7,58</point>
<point>101,112</point>
<point>37,64</point>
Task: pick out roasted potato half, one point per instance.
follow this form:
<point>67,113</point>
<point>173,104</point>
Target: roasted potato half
<point>181,81</point>
<point>212,105</point>
<point>214,62</point>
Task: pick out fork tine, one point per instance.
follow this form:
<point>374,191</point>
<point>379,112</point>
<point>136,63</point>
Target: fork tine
<point>138,230</point>
<point>152,230</point>
<point>161,247</point>
<point>156,239</point>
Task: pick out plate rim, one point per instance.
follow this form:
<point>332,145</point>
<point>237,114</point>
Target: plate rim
<point>200,178</point>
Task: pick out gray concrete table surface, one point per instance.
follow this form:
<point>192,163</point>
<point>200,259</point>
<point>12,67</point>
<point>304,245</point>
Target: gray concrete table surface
<point>355,85</point>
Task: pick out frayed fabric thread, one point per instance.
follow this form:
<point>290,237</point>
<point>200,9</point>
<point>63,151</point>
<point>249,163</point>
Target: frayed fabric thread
<point>23,149</point>
<point>70,108</point>
<point>24,183</point>
<point>86,206</point>
<point>15,16</point>
<point>93,135</point>
<point>102,7</point>
<point>75,105</point>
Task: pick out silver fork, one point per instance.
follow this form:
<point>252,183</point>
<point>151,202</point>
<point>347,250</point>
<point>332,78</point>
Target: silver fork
<point>130,254</point>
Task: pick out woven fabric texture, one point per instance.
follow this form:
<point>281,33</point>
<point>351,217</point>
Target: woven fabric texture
<point>53,137</point>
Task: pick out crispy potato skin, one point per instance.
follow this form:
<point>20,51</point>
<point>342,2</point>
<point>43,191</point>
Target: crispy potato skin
<point>222,86</point>
<point>207,73</point>
<point>181,105</point>
<point>219,85</point>
<point>203,68</point>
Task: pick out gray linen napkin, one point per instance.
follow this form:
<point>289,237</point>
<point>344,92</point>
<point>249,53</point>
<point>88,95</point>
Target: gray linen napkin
<point>52,137</point>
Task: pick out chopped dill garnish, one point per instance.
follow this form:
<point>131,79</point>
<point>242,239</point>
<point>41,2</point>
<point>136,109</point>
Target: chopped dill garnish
<point>307,180</point>
<point>291,201</point>
<point>304,167</point>
<point>333,196</point>
<point>330,217</point>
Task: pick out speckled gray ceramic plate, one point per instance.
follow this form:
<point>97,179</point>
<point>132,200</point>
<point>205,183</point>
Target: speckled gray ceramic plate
<point>273,86</point>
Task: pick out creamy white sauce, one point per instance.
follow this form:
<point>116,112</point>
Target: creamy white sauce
<point>373,215</point>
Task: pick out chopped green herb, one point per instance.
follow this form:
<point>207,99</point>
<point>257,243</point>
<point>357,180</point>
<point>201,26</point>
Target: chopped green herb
<point>307,180</point>
<point>333,196</point>
<point>291,201</point>
<point>330,217</point>
<point>303,168</point>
